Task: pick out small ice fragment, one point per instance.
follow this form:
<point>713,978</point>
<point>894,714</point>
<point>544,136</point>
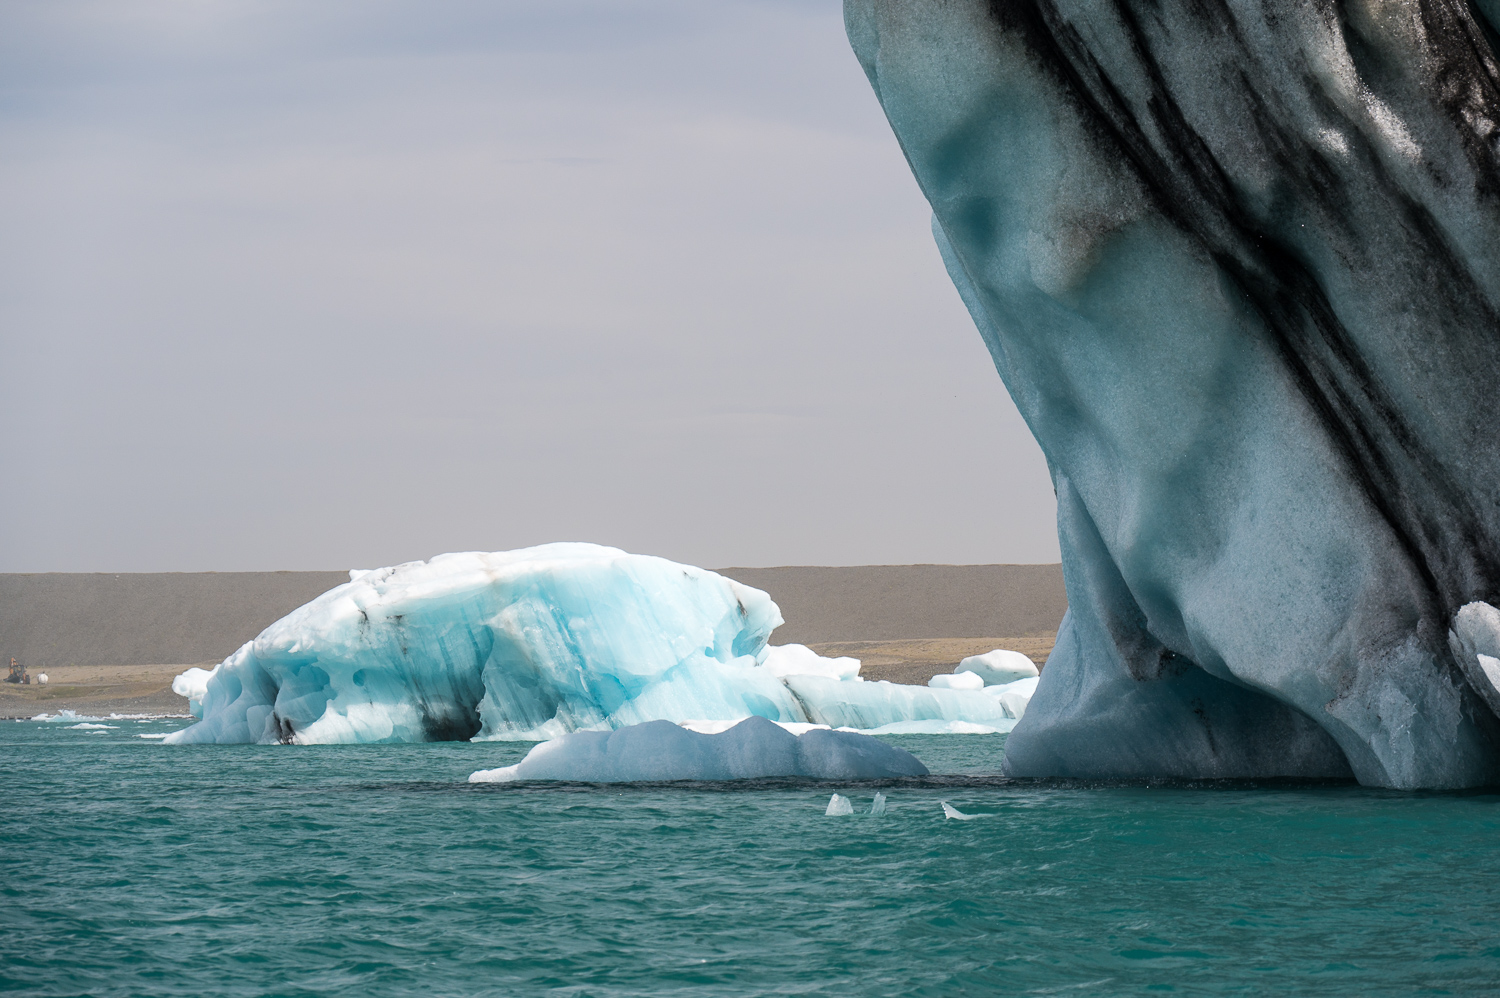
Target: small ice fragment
<point>878,807</point>
<point>86,726</point>
<point>1491,666</point>
<point>838,804</point>
<point>800,660</point>
<point>999,666</point>
<point>956,681</point>
<point>949,811</point>
<point>154,734</point>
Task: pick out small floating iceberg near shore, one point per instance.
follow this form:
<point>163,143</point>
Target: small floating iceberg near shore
<point>534,644</point>
<point>661,751</point>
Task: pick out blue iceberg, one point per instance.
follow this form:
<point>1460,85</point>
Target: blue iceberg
<point>533,644</point>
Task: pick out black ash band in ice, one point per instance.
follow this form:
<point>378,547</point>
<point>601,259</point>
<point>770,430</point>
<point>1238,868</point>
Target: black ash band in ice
<point>1238,263</point>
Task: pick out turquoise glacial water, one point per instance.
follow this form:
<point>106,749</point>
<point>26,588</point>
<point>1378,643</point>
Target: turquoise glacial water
<point>132,868</point>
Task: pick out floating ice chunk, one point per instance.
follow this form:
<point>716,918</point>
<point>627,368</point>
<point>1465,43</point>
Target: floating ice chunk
<point>999,666</point>
<point>839,805</point>
<point>871,705</point>
<point>949,811</point>
<point>956,681</point>
<point>65,715</point>
<point>512,645</point>
<point>1014,697</point>
<point>662,750</point>
<point>999,727</point>
<point>193,684</point>
<point>153,734</point>
<point>87,726</point>
<point>715,727</point>
<point>800,660</point>
<point>877,807</point>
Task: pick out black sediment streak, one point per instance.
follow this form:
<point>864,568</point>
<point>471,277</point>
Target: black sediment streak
<point>1449,540</point>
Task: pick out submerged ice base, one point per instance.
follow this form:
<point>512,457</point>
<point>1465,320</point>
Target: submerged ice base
<point>532,644</point>
<point>752,749</point>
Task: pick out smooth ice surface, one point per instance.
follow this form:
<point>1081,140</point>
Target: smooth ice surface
<point>838,805</point>
<point>1237,266</point>
<point>527,645</point>
<point>1014,697</point>
<point>956,681</point>
<point>999,666</point>
<point>661,750</point>
<point>800,660</point>
<point>872,705</point>
<point>193,684</point>
<point>949,811</point>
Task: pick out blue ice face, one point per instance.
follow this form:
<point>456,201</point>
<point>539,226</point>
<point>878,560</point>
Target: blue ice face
<point>1238,271</point>
<point>533,644</point>
<point>524,644</point>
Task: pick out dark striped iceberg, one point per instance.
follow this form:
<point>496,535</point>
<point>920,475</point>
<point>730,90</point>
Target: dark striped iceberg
<point>1238,263</point>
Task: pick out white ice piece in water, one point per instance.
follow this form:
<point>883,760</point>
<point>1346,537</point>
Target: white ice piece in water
<point>800,660</point>
<point>872,705</point>
<point>877,807</point>
<point>956,681</point>
<point>661,750</point>
<point>949,811</point>
<point>1014,697</point>
<point>999,667</point>
<point>839,805</point>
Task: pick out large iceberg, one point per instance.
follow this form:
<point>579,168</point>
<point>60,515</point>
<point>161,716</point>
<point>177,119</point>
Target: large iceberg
<point>533,644</point>
<point>1238,265</point>
<point>753,748</point>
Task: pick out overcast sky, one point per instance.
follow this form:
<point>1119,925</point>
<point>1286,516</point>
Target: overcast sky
<point>291,285</point>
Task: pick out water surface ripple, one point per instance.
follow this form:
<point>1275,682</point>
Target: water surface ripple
<point>132,868</point>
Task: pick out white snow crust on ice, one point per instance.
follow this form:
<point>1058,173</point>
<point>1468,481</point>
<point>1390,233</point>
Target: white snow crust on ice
<point>838,806</point>
<point>193,684</point>
<point>800,660</point>
<point>999,667</point>
<point>662,751</point>
<point>532,644</point>
<point>956,681</point>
